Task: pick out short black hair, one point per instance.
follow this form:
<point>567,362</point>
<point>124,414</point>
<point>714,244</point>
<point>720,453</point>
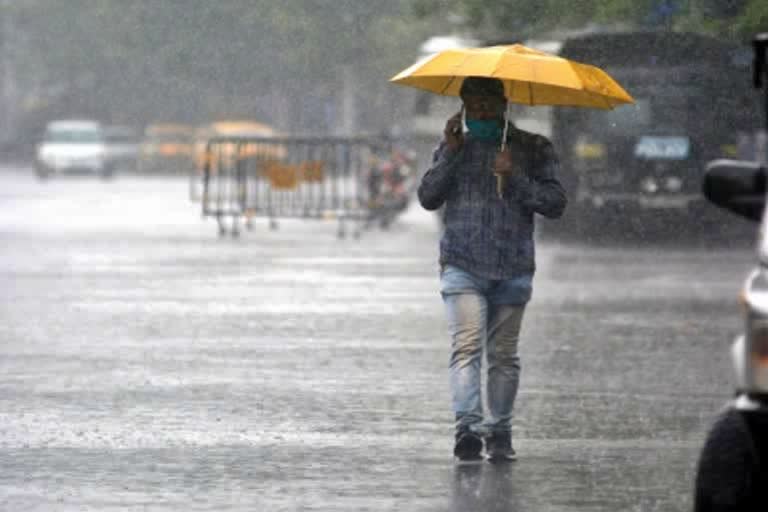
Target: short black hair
<point>481,86</point>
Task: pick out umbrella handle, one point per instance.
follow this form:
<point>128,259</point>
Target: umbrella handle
<point>507,115</point>
<point>500,177</point>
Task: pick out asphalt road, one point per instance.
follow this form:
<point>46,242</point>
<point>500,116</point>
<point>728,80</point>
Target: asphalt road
<point>147,364</point>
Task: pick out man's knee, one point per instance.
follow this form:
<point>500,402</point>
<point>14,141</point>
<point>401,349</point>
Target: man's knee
<point>506,355</point>
<point>465,353</point>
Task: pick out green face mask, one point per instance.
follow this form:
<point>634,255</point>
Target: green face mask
<point>484,129</point>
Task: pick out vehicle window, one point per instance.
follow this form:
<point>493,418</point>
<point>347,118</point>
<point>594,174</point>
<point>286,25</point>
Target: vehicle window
<point>624,119</point>
<point>73,136</point>
<point>663,109</point>
<point>121,139</point>
<point>169,138</point>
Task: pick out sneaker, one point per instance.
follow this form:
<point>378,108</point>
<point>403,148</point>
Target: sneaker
<point>468,445</point>
<point>499,447</point>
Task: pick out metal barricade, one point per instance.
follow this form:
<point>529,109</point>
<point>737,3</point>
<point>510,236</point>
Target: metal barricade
<point>288,177</point>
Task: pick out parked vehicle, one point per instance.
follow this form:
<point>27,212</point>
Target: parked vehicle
<point>644,162</point>
<point>122,147</point>
<point>167,148</point>
<point>234,128</point>
<point>72,146</point>
<point>390,182</point>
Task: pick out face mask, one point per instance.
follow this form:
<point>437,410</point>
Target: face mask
<point>484,129</point>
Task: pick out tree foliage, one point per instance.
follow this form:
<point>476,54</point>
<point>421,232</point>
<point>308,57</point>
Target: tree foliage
<point>136,61</point>
<point>735,19</point>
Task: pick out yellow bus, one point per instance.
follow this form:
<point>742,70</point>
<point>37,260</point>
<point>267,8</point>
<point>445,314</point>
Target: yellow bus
<point>236,128</point>
<point>168,148</point>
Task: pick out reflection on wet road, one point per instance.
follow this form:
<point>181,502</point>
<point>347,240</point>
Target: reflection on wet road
<point>149,365</point>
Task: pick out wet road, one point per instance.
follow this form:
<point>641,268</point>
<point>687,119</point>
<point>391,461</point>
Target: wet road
<point>147,364</point>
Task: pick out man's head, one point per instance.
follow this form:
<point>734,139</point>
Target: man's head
<point>483,98</point>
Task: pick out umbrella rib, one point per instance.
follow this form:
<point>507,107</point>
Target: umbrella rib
<point>530,94</point>
<point>530,84</point>
<point>447,85</point>
<point>607,102</point>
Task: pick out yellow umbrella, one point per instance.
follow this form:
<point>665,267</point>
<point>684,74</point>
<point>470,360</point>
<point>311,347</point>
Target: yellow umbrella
<point>530,77</point>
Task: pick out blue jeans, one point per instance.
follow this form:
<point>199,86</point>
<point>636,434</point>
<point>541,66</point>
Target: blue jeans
<point>483,313</point>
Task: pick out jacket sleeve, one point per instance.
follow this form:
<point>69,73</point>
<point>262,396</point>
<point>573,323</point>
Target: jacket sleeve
<point>440,178</point>
<point>541,191</point>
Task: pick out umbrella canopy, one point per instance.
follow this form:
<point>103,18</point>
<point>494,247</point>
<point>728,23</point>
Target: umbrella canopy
<point>530,77</point>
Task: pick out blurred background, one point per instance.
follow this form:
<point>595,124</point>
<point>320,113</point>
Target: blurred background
<point>318,67</point>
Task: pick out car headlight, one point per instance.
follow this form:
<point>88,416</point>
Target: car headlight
<point>755,356</point>
<point>729,150</point>
<point>649,185</point>
<point>589,151</point>
<point>673,184</point>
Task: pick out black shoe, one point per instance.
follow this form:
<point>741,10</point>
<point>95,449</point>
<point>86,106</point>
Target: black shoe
<point>499,447</point>
<point>468,446</point>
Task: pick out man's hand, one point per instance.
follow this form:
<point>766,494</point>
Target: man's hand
<point>503,164</point>
<point>452,132</point>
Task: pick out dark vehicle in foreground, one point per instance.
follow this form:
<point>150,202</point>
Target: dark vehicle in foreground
<point>732,471</point>
<point>733,467</point>
<point>644,161</point>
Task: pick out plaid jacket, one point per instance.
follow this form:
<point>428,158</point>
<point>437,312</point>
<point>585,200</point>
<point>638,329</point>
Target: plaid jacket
<point>486,235</point>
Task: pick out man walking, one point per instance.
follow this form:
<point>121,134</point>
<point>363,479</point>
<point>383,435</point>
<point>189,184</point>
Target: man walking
<point>487,255</point>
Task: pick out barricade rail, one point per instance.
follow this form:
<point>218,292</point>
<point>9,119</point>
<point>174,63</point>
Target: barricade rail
<point>288,177</point>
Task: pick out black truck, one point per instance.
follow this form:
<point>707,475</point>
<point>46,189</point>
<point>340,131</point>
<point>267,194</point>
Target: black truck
<point>641,164</point>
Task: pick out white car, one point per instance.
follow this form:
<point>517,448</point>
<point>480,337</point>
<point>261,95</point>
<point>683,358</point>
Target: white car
<point>72,146</point>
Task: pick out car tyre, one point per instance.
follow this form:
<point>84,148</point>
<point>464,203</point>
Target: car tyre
<point>108,173</point>
<point>42,173</point>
